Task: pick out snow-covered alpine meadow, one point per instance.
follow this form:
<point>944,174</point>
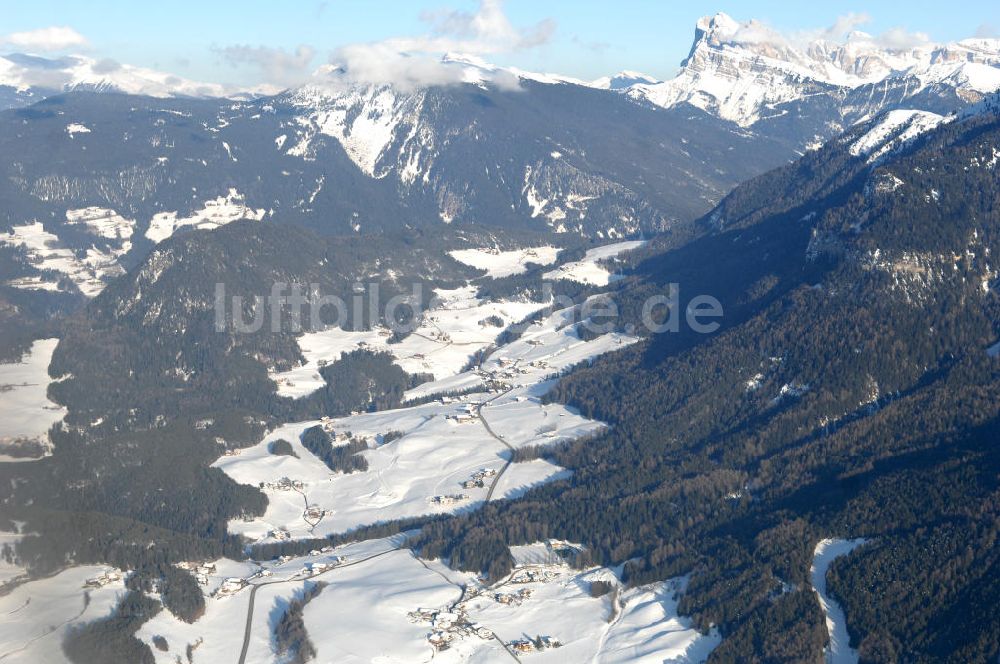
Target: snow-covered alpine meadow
<point>37,615</point>
<point>438,446</point>
<point>452,331</point>
<point>499,263</point>
<point>381,603</point>
<point>45,252</point>
<point>26,414</point>
<point>215,213</point>
<point>589,269</point>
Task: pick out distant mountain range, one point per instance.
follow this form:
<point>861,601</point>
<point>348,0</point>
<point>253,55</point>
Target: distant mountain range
<point>503,148</point>
<point>740,72</point>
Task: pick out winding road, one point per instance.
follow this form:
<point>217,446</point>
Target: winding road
<point>494,434</point>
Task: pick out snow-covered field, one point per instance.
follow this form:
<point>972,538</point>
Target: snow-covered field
<point>103,222</point>
<point>26,414</point>
<point>45,252</point>
<point>450,333</point>
<point>458,325</point>
<point>895,129</point>
<point>505,263</point>
<point>36,615</point>
<point>382,604</point>
<point>839,650</point>
<point>441,444</point>
<point>215,213</point>
<point>588,269</point>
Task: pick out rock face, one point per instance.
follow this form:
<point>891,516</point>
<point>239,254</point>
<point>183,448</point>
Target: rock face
<point>750,75</point>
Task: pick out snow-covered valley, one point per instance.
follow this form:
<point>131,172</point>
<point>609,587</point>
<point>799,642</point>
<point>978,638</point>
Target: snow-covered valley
<point>448,449</point>
<point>435,446</point>
<point>383,604</point>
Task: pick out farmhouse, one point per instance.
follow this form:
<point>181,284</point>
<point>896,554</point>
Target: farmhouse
<point>449,500</point>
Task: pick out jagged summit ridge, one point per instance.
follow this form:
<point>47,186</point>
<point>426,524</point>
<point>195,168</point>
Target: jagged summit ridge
<point>742,71</point>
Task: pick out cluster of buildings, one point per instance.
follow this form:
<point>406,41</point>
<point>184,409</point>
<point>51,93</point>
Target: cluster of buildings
<point>103,579</point>
<point>230,586</point>
<point>454,624</point>
<point>338,436</point>
<point>512,599</point>
<point>505,371</point>
<point>467,413</point>
<point>261,573</point>
<point>448,626</point>
<point>201,572</point>
<point>314,568</point>
<point>284,484</point>
<point>531,645</point>
<point>532,575</point>
<point>314,512</point>
<point>320,552</point>
<point>448,499</point>
<point>234,584</point>
<point>478,479</point>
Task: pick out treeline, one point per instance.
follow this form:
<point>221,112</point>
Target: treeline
<point>291,640</point>
<point>112,639</point>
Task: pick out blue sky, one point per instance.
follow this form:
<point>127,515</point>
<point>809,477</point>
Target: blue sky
<point>230,41</point>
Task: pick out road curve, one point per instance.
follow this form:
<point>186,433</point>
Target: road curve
<point>489,430</point>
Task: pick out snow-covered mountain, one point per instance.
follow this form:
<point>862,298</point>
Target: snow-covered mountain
<point>31,77</point>
<point>623,79</point>
<point>356,159</point>
<point>746,73</point>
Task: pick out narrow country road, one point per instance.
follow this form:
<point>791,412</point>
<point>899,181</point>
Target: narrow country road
<point>489,430</point>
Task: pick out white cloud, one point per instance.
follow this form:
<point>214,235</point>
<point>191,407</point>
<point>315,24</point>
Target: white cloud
<point>844,25</point>
<point>901,38</point>
<point>278,67</point>
<point>843,29</point>
<point>52,38</point>
<point>410,62</point>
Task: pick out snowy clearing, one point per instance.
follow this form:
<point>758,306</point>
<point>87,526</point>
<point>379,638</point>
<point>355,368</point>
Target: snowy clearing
<point>103,222</point>
<point>37,615</point>
<point>450,333</point>
<point>45,252</point>
<point>505,263</point>
<point>215,213</point>
<point>400,609</point>
<point>76,128</point>
<point>26,414</point>
<point>839,650</point>
<point>588,270</point>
